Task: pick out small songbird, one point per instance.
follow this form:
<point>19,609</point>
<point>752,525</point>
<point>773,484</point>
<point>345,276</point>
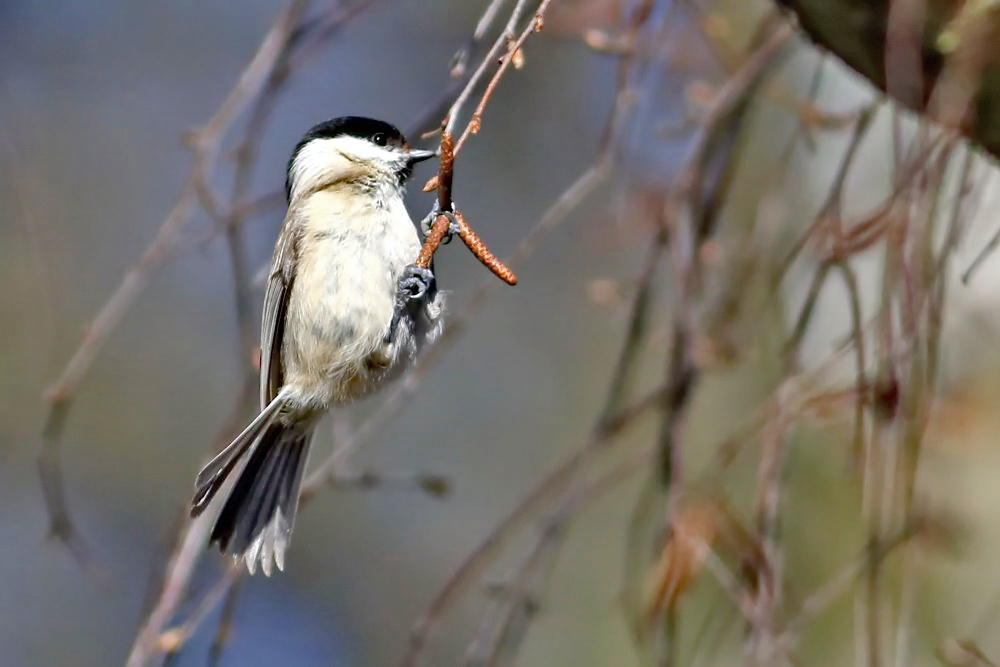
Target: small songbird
<point>345,309</point>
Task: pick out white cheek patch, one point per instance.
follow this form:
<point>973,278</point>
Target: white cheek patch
<point>313,164</point>
<point>324,160</point>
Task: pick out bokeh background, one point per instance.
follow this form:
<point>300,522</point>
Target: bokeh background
<point>94,100</point>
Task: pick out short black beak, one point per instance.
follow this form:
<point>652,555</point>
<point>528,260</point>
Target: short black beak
<point>415,156</point>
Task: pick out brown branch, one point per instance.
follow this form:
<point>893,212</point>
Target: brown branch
<point>179,571</point>
<point>610,423</point>
<point>505,37</point>
<point>433,241</point>
<point>482,253</point>
<point>476,121</point>
<point>449,149</point>
<point>443,183</point>
<point>172,641</point>
<point>442,224</point>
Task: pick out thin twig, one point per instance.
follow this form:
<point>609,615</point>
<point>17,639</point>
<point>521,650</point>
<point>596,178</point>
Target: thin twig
<point>475,122</point>
<point>692,225</point>
<point>459,581</point>
<point>224,629</point>
<point>179,571</point>
<point>442,223</point>
<point>173,640</point>
<point>827,593</point>
<point>520,597</point>
<point>553,483</point>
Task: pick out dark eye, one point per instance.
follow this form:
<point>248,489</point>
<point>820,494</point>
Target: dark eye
<point>380,139</point>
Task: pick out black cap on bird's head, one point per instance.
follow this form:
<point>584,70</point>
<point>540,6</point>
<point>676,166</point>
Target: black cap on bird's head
<point>375,132</point>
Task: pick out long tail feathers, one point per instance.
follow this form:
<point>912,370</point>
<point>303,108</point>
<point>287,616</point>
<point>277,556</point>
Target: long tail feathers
<point>212,476</point>
<point>257,518</point>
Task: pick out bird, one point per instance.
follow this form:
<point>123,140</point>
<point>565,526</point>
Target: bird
<point>346,310</point>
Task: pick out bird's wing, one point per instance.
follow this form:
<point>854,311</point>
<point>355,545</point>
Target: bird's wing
<point>279,289</point>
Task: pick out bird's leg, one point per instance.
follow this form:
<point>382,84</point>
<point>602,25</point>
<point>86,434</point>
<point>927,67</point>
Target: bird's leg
<point>414,285</point>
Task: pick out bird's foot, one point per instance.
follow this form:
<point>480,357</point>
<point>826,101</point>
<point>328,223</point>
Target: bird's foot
<point>413,286</point>
<point>414,283</point>
<point>427,224</point>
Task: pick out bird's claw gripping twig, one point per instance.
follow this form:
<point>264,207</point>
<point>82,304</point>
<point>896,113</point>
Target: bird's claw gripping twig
<point>428,222</point>
<point>413,285</point>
